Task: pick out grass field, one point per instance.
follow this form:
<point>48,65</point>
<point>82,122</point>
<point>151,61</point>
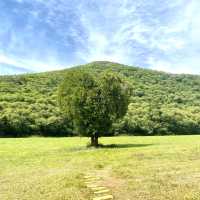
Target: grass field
<point>153,168</point>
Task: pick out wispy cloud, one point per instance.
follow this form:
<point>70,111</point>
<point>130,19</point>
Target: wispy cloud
<point>52,34</point>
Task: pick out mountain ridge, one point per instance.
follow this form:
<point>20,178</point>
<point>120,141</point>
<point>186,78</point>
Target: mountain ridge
<point>101,63</point>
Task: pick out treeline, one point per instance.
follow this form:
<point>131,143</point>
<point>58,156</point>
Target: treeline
<point>160,103</point>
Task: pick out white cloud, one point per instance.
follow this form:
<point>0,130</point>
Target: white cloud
<point>33,65</point>
<point>6,60</point>
<point>20,1</point>
<point>186,66</point>
<point>110,34</point>
<point>130,28</point>
<point>148,33</point>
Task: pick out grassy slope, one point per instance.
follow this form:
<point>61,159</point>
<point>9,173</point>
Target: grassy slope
<point>140,168</point>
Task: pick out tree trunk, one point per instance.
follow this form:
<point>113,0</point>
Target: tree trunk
<point>94,140</point>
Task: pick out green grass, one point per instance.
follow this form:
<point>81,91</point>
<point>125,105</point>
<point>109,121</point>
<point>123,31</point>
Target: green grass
<point>153,168</point>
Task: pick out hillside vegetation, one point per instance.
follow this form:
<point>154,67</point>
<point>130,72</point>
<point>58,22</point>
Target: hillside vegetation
<point>160,103</point>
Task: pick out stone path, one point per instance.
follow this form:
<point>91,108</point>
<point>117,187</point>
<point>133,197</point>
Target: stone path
<point>100,192</point>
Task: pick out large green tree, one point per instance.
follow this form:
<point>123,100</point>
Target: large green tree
<point>93,103</point>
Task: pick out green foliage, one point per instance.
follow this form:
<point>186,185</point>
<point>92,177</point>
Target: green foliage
<point>160,103</point>
<point>28,106</point>
<point>93,103</point>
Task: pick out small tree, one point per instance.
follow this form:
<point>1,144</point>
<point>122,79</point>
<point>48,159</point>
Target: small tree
<point>93,103</point>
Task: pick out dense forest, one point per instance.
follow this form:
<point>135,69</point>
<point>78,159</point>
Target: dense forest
<point>160,103</point>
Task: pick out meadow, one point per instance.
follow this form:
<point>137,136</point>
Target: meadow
<point>142,168</point>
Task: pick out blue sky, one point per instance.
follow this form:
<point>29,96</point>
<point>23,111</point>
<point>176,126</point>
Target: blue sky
<point>41,35</point>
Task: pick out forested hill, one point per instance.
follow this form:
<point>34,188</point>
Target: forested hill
<point>161,103</point>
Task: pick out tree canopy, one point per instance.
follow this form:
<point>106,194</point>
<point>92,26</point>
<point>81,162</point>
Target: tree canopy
<point>93,103</point>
